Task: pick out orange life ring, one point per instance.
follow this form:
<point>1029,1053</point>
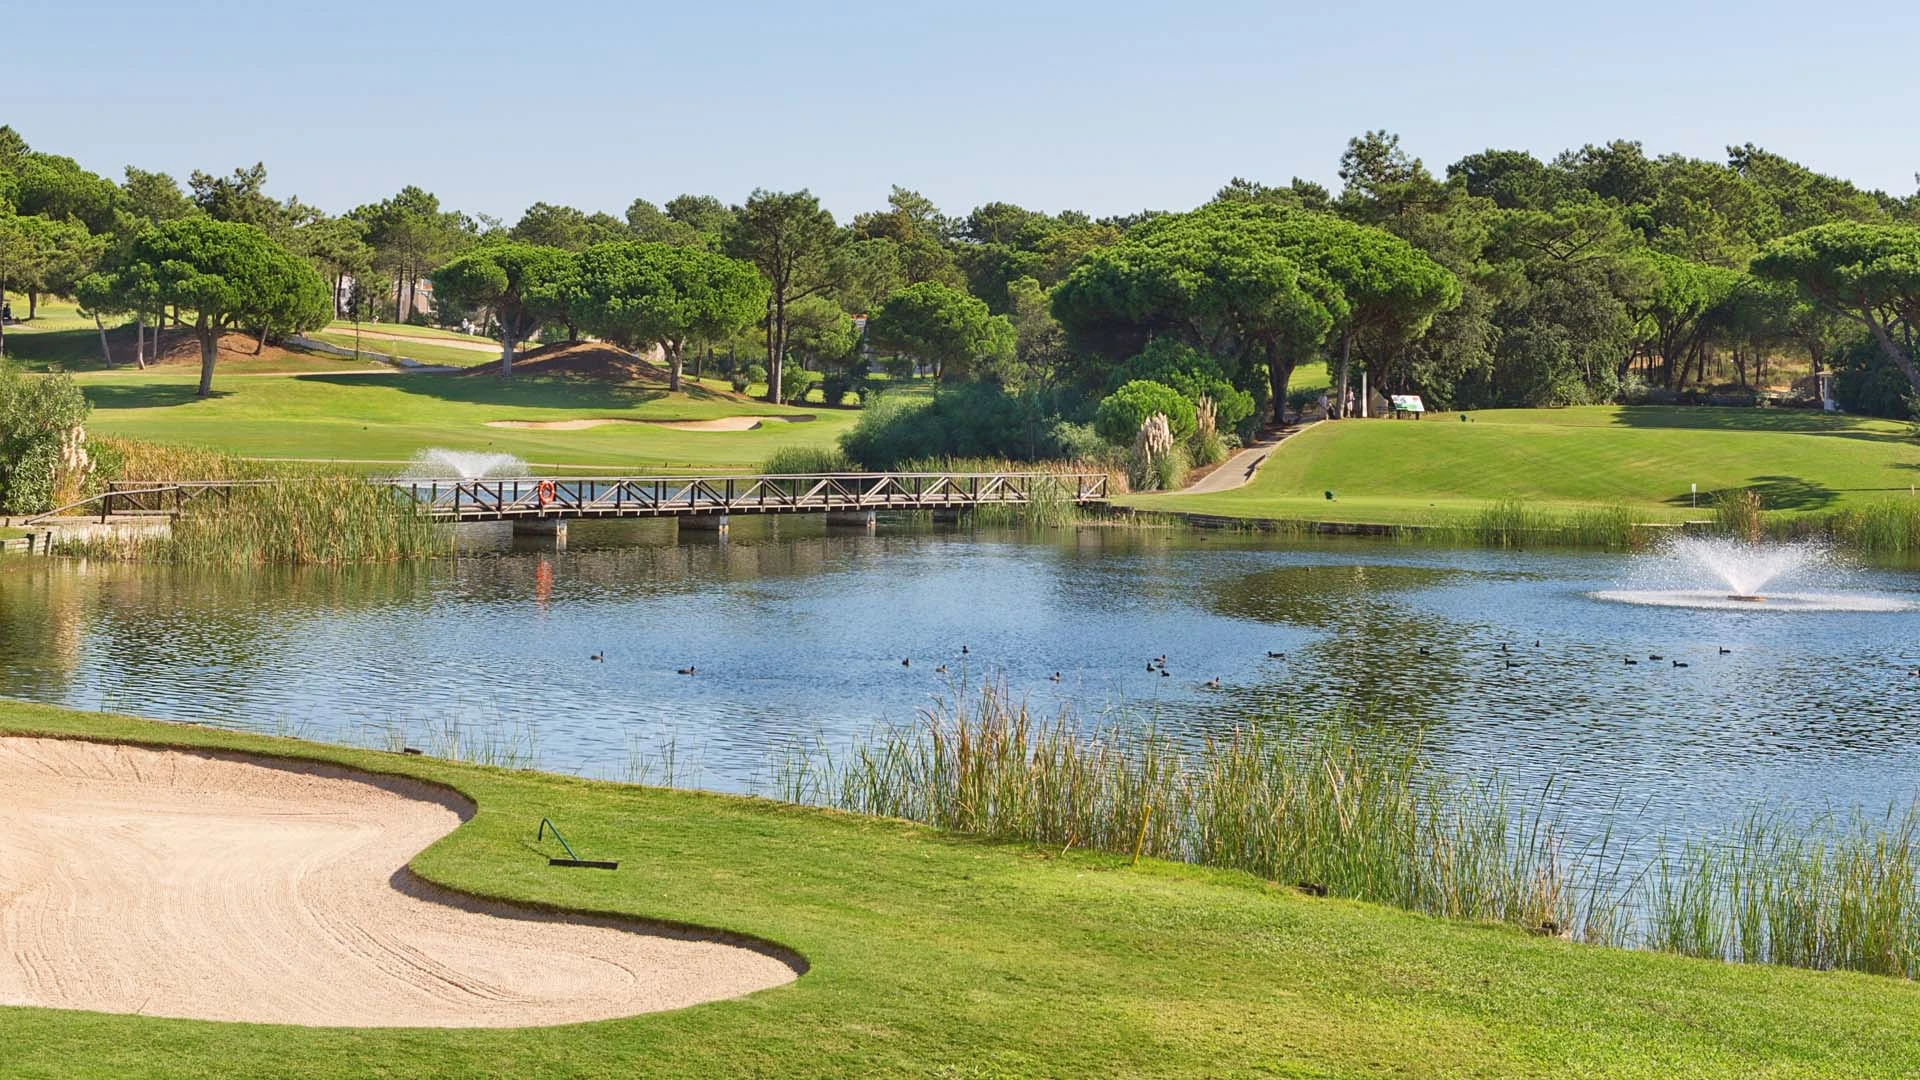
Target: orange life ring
<point>544,491</point>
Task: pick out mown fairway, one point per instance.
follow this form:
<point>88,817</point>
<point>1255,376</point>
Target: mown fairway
<point>387,417</point>
<point>943,957</point>
<point>1442,468</point>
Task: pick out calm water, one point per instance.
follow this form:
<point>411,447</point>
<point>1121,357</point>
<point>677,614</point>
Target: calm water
<point>798,637</point>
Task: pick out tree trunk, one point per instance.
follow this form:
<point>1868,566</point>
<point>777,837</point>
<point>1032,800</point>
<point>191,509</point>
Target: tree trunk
<point>776,347</point>
<point>1892,350</point>
<point>209,352</point>
<point>1346,372</point>
<point>399,291</point>
<point>673,350</point>
<point>106,354</point>
<point>33,303</point>
<point>506,351</point>
<point>1279,374</point>
<point>260,342</point>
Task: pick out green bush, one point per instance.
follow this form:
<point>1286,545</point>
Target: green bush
<point>1119,417</point>
<point>790,460</point>
<point>1194,374</point>
<point>37,415</point>
<point>971,420</point>
<point>745,375</point>
<point>796,383</point>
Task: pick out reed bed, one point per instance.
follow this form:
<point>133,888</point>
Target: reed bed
<point>1356,811</point>
<point>1345,811</point>
<point>800,460</point>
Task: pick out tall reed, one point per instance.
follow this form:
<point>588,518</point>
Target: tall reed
<point>1346,811</point>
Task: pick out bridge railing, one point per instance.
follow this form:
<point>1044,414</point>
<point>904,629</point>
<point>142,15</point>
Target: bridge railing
<point>556,496</point>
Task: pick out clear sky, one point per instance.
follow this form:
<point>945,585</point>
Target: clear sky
<point>1105,107</point>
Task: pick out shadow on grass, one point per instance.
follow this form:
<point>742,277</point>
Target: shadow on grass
<point>145,395</point>
<point>1776,493</point>
<point>525,391</point>
<point>1787,421</point>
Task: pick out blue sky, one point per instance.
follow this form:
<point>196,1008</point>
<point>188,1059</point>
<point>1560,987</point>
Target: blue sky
<point>1106,107</point>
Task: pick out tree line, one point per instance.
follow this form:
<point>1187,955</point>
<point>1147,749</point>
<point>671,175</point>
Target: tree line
<point>1598,275</point>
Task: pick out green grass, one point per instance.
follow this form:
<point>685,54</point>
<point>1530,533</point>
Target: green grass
<point>388,417</point>
<point>1441,470</point>
<point>938,956</point>
<point>425,351</point>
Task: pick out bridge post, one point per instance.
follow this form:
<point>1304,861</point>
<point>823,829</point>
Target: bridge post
<point>543,534</point>
<point>852,519</point>
<point>709,523</point>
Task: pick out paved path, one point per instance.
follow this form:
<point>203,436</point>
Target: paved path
<point>1238,469</point>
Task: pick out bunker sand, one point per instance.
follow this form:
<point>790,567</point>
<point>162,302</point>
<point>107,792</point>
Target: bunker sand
<point>217,887</point>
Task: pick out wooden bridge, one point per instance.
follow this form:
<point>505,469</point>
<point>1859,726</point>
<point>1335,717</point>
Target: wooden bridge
<point>699,500</point>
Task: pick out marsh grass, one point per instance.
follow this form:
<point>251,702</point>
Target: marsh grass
<point>1346,811</point>
<point>501,745</point>
<point>800,460</point>
<point>295,515</point>
<point>1352,810</point>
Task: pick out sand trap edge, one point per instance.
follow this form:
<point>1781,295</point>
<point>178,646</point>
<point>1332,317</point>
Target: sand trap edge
<point>406,880</point>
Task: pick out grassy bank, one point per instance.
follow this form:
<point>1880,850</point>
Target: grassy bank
<point>1566,462</point>
<point>940,956</point>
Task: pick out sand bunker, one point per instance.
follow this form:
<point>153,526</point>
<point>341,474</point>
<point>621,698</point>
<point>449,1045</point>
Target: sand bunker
<point>724,423</point>
<point>213,887</point>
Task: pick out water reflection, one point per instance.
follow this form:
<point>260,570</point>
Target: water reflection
<point>798,634</point>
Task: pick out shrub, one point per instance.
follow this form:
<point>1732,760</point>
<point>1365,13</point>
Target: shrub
<point>1120,415</point>
<point>745,375</point>
<point>970,420</point>
<point>796,383</point>
<point>1194,374</point>
<point>40,442</point>
<point>789,460</point>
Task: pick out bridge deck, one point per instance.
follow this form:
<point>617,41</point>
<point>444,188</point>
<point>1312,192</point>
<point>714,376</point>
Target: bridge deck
<point>574,497</point>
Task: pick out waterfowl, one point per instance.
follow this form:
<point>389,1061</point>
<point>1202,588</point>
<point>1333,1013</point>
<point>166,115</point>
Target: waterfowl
<point>1724,651</point>
<point>1150,668</point>
<point>1629,660</point>
<point>963,650</point>
<point>1503,647</point>
<point>1679,663</point>
<point>1655,656</point>
<point>688,670</point>
<point>907,662</point>
<point>1536,643</point>
<point>1055,677</point>
<point>1213,683</point>
<point>1164,675</point>
<point>1271,655</point>
<point>1424,651</point>
<point>1511,664</point>
<point>598,657</point>
<point>941,670</point>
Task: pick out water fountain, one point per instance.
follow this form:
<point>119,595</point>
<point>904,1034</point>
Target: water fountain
<point>441,464</point>
<point>1729,573</point>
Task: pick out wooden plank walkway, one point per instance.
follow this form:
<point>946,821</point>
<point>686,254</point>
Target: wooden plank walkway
<point>575,498</point>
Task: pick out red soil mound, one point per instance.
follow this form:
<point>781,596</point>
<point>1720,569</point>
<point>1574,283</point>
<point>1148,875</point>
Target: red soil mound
<point>593,359</point>
<point>183,347</point>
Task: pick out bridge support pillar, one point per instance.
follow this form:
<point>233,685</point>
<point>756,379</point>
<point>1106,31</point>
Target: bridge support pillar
<point>852,519</point>
<point>707,523</point>
<point>541,534</point>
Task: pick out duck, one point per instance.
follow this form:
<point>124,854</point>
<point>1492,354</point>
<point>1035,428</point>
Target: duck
<point>1679,663</point>
<point>598,658</point>
<point>1511,664</point>
<point>1271,655</point>
<point>1536,643</point>
<point>1055,677</point>
<point>941,670</point>
<point>1424,651</point>
<point>907,662</point>
<point>1213,683</point>
<point>688,670</point>
<point>1164,675</point>
<point>1724,651</point>
<point>1503,647</point>
<point>1655,656</point>
<point>963,650</point>
<point>1150,668</point>
<point>1630,661</point>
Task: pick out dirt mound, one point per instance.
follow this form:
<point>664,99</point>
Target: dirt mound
<point>219,887</point>
<point>182,347</point>
<point>593,359</point>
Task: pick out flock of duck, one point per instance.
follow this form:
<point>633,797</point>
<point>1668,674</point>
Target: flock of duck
<point>1158,665</point>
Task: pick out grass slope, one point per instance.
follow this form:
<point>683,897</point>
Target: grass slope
<point>1644,457</point>
<point>942,957</point>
